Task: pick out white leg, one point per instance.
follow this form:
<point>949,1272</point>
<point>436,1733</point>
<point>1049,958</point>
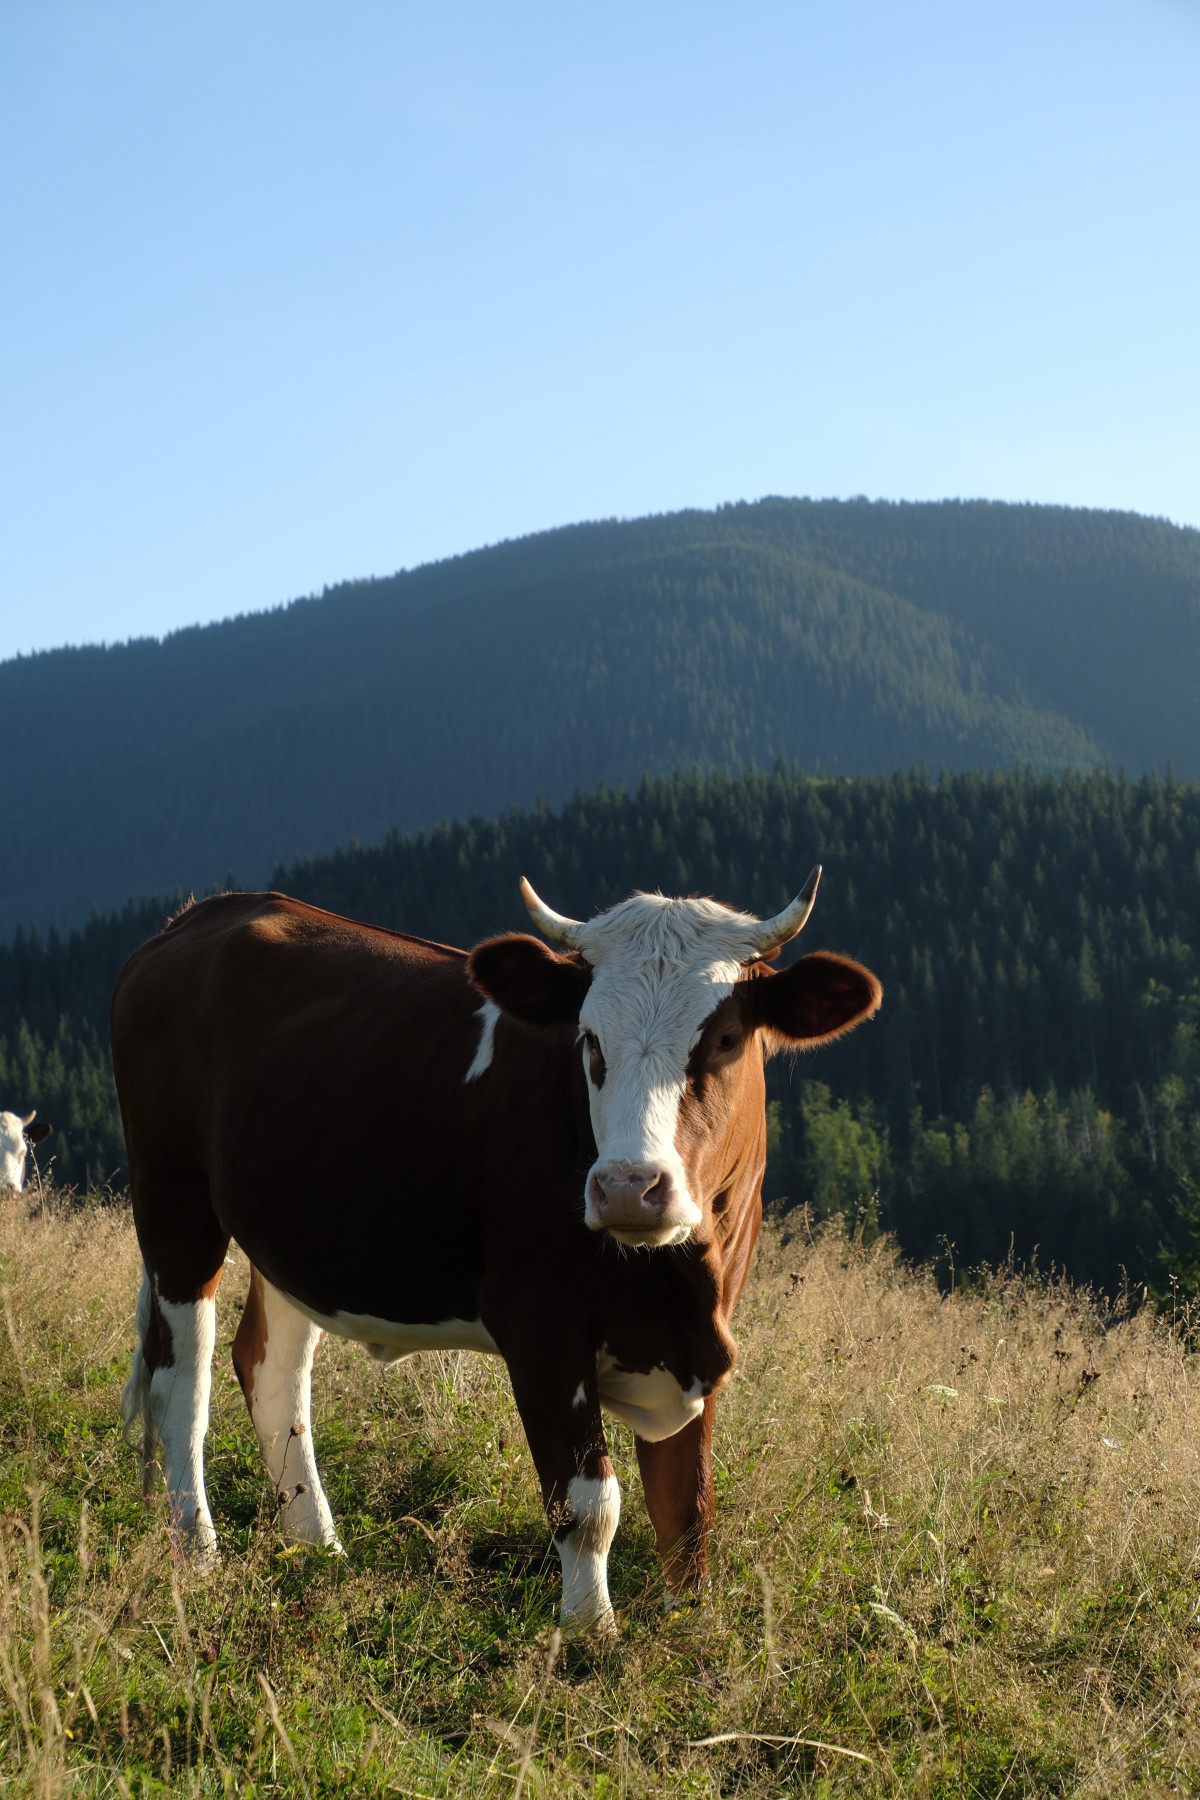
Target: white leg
<point>274,1357</point>
<point>595,1509</point>
<point>179,1390</point>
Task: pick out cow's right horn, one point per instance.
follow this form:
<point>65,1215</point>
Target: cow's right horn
<point>30,1119</point>
<point>784,926</point>
<point>553,925</point>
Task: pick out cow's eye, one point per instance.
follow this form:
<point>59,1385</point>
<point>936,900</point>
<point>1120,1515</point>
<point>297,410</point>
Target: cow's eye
<point>727,1041</point>
<point>595,1057</point>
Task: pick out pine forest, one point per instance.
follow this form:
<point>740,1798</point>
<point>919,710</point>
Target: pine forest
<point>1030,1091</point>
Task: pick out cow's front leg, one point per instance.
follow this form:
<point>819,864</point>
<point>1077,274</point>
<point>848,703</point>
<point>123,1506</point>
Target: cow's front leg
<point>678,1483</point>
<point>560,1410</point>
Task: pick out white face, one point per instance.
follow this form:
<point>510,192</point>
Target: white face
<point>12,1151</point>
<point>660,968</point>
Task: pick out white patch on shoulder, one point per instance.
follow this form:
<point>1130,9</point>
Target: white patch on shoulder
<point>596,1509</point>
<point>489,1012</point>
<point>387,1340</point>
<point>654,1404</point>
<point>580,1395</point>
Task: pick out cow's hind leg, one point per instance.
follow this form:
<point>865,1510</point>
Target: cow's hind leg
<point>183,1254</point>
<point>273,1354</point>
<point>169,1390</point>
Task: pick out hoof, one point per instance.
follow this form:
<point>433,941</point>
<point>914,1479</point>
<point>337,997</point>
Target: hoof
<point>310,1547</point>
<point>200,1554</point>
<point>688,1598</point>
<point>578,1625</point>
<point>195,1540</point>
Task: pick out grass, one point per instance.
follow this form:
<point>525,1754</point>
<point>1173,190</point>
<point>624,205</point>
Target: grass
<point>956,1555</point>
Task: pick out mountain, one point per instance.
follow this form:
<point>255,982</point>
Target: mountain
<point>848,636</point>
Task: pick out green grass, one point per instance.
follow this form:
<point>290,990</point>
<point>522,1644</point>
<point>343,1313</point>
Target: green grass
<point>956,1554</point>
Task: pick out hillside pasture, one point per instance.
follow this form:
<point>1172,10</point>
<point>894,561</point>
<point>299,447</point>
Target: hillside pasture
<point>956,1554</point>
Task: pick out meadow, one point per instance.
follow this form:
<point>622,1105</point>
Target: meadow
<point>956,1554</point>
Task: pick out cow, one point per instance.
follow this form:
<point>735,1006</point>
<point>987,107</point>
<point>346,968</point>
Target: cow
<point>17,1136</point>
<point>554,1155</point>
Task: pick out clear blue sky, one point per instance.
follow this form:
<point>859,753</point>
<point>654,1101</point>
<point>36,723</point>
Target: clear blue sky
<point>299,292</point>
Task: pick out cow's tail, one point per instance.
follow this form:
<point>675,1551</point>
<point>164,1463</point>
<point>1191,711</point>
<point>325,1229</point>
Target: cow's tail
<point>135,1400</point>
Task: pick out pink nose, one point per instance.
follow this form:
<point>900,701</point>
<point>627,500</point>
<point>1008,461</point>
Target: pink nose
<point>630,1196</point>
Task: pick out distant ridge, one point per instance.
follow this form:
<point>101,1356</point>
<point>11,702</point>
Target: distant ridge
<point>852,636</point>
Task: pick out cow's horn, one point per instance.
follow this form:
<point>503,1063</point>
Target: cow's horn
<point>549,923</point>
<point>784,926</point>
<point>30,1119</point>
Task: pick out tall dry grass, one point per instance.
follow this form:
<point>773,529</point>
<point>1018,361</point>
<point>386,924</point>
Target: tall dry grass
<point>956,1555</point>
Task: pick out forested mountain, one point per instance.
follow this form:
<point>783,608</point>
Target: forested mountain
<point>1033,1077</point>
<point>849,636</point>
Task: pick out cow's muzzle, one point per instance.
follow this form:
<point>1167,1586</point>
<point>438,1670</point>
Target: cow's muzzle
<point>639,1203</point>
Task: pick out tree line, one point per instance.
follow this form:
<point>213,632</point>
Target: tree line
<point>1032,1083</point>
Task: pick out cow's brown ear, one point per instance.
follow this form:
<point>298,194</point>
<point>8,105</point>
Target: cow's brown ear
<point>528,980</point>
<point>35,1133</point>
<point>817,999</point>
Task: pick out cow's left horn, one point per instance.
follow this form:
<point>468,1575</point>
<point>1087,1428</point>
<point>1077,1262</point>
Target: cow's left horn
<point>784,926</point>
<point>30,1119</point>
<point>551,924</point>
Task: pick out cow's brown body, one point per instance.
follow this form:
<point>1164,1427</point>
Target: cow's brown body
<point>302,1084</point>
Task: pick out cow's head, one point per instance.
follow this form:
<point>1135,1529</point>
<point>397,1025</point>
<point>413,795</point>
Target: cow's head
<point>16,1134</point>
<point>676,1010</point>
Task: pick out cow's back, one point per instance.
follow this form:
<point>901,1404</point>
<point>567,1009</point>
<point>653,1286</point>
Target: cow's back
<point>303,1067</point>
<point>240,983</point>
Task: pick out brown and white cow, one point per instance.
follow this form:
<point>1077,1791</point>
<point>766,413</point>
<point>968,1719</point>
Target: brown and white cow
<point>552,1155</point>
<point>17,1137</point>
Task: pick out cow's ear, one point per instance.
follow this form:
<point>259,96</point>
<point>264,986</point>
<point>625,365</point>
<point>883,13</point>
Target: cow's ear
<point>817,999</point>
<point>528,980</point>
<point>35,1133</point>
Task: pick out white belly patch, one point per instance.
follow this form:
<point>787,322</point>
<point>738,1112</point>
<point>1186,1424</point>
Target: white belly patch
<point>654,1404</point>
<point>388,1341</point>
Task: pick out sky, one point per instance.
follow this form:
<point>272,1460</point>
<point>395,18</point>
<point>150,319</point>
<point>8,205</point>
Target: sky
<point>298,293</point>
